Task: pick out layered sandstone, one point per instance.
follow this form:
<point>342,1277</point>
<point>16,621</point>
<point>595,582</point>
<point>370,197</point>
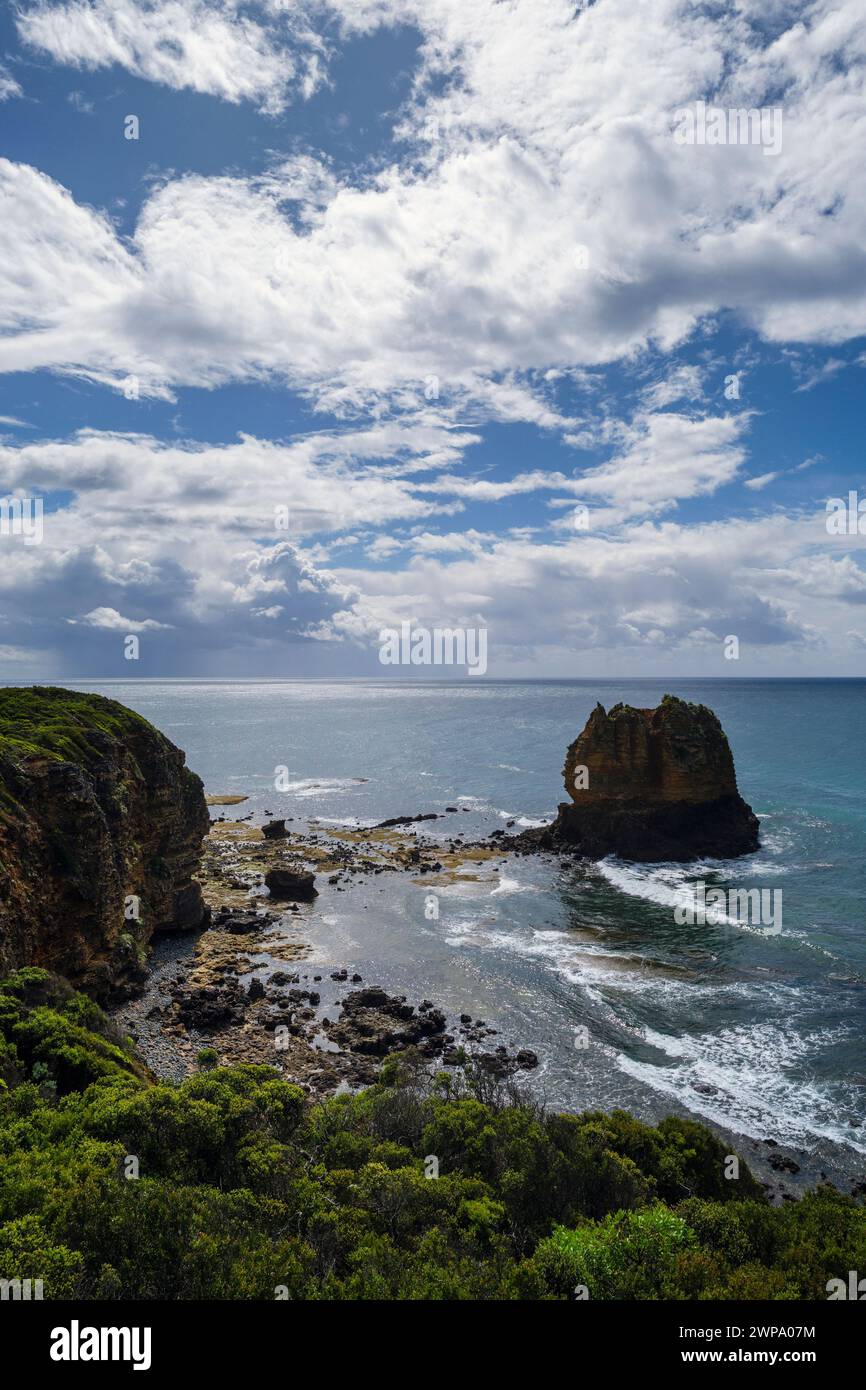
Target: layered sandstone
<point>654,784</point>
<point>101,827</point>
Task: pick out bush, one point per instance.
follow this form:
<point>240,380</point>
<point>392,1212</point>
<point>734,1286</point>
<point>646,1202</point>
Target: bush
<point>245,1189</point>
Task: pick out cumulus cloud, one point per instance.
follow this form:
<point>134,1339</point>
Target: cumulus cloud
<point>668,456</point>
<point>112,621</point>
<point>535,222</point>
<point>208,47</point>
<point>544,217</point>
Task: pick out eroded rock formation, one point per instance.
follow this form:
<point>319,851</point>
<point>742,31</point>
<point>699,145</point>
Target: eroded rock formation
<point>654,784</point>
<point>101,826</point>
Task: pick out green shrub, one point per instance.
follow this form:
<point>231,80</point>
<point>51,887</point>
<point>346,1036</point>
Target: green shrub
<point>245,1189</point>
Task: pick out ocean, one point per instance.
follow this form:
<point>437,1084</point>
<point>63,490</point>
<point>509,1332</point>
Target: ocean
<point>760,1035</point>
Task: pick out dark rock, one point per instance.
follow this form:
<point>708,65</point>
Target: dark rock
<point>297,885</point>
<point>274,830</point>
<point>782,1163</point>
<point>375,1023</point>
<point>210,1009</point>
<point>241,924</point>
<point>405,820</point>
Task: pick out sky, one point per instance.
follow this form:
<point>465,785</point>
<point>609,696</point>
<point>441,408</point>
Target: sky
<point>320,318</point>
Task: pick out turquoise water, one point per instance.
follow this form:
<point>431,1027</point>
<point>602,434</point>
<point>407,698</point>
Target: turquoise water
<point>760,1035</point>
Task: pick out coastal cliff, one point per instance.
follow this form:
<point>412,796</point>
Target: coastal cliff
<point>653,784</point>
<point>101,826</point>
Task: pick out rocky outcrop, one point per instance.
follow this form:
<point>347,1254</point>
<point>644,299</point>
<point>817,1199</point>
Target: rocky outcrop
<point>653,784</point>
<point>101,826</point>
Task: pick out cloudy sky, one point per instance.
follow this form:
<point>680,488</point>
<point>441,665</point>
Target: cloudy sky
<point>426,311</point>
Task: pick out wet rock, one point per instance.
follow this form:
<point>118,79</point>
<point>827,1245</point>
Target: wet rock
<point>242,924</point>
<point>297,885</point>
<point>274,830</point>
<point>375,1022</point>
<point>405,820</point>
<point>782,1163</point>
<point>210,1009</point>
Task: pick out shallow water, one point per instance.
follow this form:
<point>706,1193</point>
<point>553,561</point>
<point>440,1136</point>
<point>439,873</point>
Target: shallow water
<point>762,1035</point>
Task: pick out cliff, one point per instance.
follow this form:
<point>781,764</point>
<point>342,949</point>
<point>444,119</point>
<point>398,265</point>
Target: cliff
<point>101,827</point>
<point>654,784</point>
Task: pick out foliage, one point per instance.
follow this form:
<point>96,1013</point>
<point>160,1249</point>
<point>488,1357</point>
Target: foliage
<point>246,1190</point>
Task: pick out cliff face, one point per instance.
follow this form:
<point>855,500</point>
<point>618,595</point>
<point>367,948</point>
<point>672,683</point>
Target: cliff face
<point>101,827</point>
<point>654,784</point>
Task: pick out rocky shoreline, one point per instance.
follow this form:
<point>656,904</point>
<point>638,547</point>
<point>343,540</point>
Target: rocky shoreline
<point>200,929</point>
<point>239,986</point>
<point>243,988</point>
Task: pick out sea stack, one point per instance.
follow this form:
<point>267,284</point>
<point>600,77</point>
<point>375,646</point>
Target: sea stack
<point>653,784</point>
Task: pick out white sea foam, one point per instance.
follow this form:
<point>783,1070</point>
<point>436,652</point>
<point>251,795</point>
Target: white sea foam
<point>528,822</point>
<point>507,886</point>
<point>315,786</point>
<point>663,885</point>
<point>672,886</point>
<point>753,1093</point>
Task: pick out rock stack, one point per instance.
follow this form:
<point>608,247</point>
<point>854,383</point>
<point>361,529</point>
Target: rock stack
<point>653,784</point>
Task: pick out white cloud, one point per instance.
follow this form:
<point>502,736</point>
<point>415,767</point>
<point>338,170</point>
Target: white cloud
<point>182,537</point>
<point>112,621</point>
<point>443,291</point>
<point>668,456</point>
<point>683,383</point>
<point>8,85</point>
<point>760,481</point>
<point>554,131</point>
<point>205,46</point>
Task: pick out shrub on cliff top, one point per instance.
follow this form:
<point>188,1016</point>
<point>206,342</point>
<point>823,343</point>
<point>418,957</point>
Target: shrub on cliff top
<point>49,722</point>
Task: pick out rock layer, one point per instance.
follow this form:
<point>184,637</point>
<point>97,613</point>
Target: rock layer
<point>101,826</point>
<point>653,784</point>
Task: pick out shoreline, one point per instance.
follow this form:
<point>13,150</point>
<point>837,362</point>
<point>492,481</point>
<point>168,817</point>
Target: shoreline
<point>246,987</point>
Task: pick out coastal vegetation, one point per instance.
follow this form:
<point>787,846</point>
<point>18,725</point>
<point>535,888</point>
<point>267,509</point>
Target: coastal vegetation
<point>233,1185</point>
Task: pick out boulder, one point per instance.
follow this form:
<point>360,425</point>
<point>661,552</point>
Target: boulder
<point>274,830</point>
<point>291,885</point>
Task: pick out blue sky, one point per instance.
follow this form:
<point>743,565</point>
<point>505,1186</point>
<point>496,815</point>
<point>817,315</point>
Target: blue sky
<point>431,277</point>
